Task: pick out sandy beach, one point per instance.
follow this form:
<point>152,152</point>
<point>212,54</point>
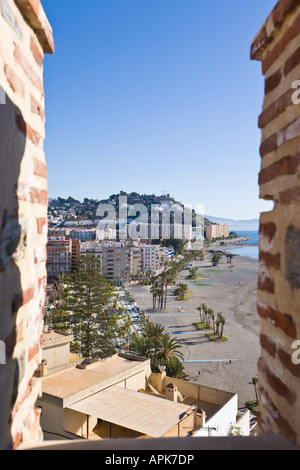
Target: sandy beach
<point>231,289</point>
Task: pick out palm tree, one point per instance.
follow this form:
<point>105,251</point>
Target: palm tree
<point>222,321</point>
<point>153,331</point>
<point>217,323</point>
<point>210,314</point>
<point>229,257</point>
<point>168,347</point>
<point>216,259</point>
<point>154,289</point>
<point>254,382</point>
<point>181,290</point>
<point>174,368</point>
<point>140,346</point>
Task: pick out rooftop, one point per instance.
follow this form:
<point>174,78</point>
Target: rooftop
<point>75,383</point>
<point>130,409</point>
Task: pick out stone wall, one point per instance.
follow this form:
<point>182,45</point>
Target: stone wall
<point>277,46</point>
<point>25,37</point>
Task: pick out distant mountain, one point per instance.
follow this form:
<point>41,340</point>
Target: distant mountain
<point>233,222</point>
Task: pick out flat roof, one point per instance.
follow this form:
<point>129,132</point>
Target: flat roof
<point>133,410</point>
<point>68,383</point>
<point>56,337</point>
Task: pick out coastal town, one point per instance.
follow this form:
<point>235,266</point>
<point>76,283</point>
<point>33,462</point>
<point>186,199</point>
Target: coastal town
<point>188,294</point>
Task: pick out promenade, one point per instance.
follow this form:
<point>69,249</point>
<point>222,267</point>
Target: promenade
<point>231,289</point>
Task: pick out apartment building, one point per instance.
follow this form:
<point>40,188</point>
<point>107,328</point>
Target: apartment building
<point>82,234</point>
<point>150,258</point>
<point>216,231</point>
<point>63,254</point>
<point>120,261</point>
<point>59,257</point>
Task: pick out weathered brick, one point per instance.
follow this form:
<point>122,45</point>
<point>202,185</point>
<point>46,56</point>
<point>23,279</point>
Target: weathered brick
<point>28,69</point>
<point>37,108</point>
<point>40,255</point>
<point>17,441</point>
<point>40,168</point>
<point>33,12</point>
<point>28,132</point>
<point>14,81</point>
<point>275,415</point>
<point>268,345</point>
<point>282,8</point>
<point>275,109</point>
<point>276,383</point>
<point>35,49</point>
<point>290,196</point>
<point>286,360</point>
<point>21,398</point>
<point>258,44</point>
<point>26,36</point>
<point>266,284</point>
<point>292,256</point>
<point>292,62</point>
<point>285,166</point>
<point>42,225</point>
<point>39,196</point>
<point>278,320</point>
<point>33,351</point>
<point>272,261</point>
<point>268,145</point>
<point>273,81</point>
<point>275,52</point>
<point>268,230</point>
<point>288,133</point>
<point>23,299</point>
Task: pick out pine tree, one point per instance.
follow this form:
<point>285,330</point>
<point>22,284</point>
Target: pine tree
<point>87,309</point>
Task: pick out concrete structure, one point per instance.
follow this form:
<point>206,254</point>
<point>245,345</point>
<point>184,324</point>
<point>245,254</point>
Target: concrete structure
<point>119,397</point>
<point>216,231</point>
<point>55,352</point>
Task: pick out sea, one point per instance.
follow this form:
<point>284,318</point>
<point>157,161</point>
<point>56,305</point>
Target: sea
<point>250,248</point>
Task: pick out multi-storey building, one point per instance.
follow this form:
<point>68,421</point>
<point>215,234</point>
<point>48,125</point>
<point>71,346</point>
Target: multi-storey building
<point>93,249</point>
<point>120,261</point>
<point>63,254</point>
<point>59,257</point>
<point>217,231</point>
<point>149,257</point>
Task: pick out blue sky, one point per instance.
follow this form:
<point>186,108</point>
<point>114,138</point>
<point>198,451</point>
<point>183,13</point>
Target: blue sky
<point>156,95</point>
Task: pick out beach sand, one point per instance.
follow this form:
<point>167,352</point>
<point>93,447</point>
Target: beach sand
<point>231,289</point>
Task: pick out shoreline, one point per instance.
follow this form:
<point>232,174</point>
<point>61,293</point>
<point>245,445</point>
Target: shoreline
<point>228,246</point>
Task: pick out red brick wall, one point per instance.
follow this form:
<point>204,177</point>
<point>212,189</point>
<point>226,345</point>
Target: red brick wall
<point>277,47</point>
<point>25,37</point>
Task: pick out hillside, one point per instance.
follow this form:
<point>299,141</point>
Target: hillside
<point>62,210</point>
